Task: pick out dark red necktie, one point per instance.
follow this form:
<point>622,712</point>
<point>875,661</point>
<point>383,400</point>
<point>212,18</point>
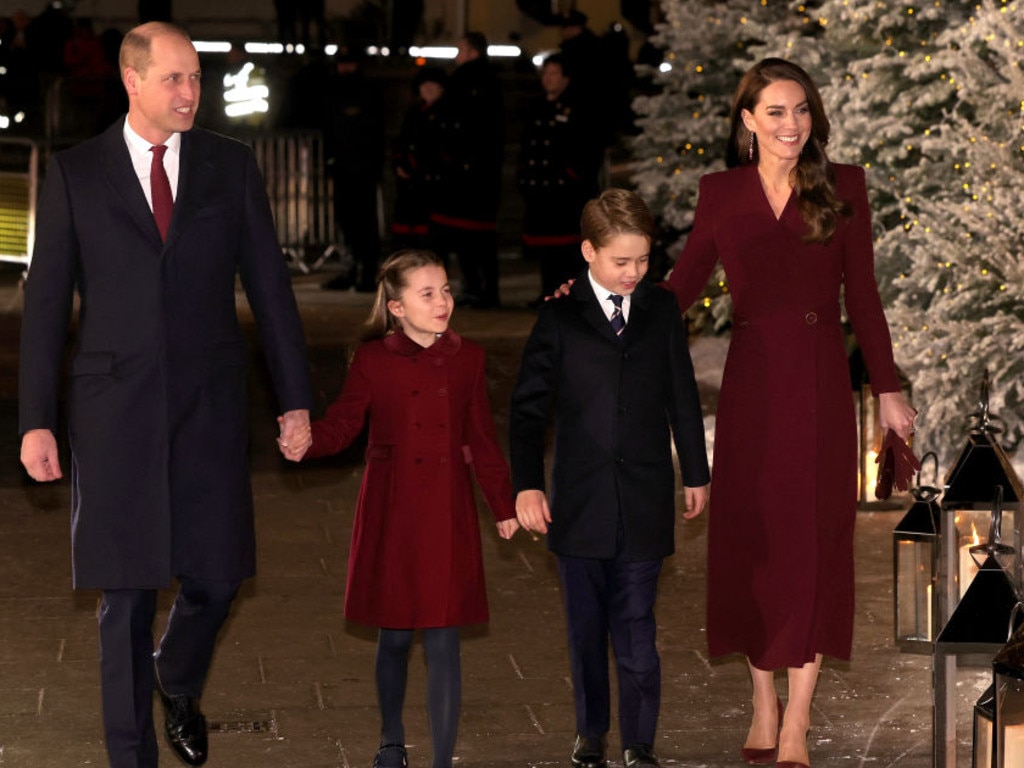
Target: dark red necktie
<point>160,186</point>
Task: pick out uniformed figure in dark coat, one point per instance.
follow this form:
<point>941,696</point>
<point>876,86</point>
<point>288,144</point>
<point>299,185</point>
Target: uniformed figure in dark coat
<point>354,144</point>
<point>472,135</point>
<point>414,158</point>
<point>557,174</point>
<point>157,407</point>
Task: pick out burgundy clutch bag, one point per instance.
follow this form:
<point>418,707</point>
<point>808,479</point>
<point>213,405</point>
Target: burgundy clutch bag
<point>897,466</point>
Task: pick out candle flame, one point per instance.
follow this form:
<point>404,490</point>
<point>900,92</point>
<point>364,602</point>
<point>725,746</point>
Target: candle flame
<point>975,538</point>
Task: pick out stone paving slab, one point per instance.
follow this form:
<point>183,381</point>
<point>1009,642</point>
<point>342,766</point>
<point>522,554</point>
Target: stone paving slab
<point>292,682</point>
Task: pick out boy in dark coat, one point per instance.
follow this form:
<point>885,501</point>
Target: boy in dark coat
<point>612,357</point>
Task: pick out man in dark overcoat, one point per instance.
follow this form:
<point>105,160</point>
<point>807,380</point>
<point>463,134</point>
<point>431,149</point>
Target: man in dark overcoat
<point>471,136</point>
<point>558,172</point>
<point>157,411</point>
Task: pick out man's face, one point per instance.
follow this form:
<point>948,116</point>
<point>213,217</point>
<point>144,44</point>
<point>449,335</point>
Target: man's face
<point>553,80</point>
<point>164,99</point>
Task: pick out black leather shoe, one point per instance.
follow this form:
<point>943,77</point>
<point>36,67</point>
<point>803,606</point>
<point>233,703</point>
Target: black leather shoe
<point>588,752</point>
<point>639,755</point>
<point>185,727</point>
<point>391,756</point>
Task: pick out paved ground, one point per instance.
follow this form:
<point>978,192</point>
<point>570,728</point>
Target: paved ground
<point>292,683</point>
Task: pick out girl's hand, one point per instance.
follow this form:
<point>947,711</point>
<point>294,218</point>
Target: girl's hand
<point>507,528</point>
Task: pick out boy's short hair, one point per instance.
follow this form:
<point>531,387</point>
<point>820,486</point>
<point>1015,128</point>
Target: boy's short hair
<point>615,212</point>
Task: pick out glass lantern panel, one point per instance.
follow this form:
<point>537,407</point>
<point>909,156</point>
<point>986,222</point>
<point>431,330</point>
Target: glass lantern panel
<point>972,526</point>
<point>914,590</point>
<point>1010,721</point>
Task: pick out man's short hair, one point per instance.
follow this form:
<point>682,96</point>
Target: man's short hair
<point>136,48</point>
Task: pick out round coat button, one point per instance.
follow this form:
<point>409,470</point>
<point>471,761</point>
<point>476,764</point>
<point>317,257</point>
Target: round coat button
<point>811,318</point>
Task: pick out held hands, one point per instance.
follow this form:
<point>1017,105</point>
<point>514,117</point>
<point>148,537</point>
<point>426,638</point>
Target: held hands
<point>507,528</point>
<point>532,511</point>
<point>296,435</point>
<point>39,455</point>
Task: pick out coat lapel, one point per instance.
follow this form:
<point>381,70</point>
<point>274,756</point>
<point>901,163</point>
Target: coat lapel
<point>123,181</point>
<point>639,311</point>
<point>194,169</point>
<point>590,308</point>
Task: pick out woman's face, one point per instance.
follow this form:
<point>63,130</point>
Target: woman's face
<point>782,121</point>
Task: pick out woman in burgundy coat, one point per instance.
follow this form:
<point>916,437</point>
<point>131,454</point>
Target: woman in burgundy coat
<point>415,561</point>
<point>793,232</point>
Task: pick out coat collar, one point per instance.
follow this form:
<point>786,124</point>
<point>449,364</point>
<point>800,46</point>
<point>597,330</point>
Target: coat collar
<point>193,168</point>
<point>447,344</point>
<point>591,309</point>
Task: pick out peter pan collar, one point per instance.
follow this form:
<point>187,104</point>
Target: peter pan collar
<point>447,344</point>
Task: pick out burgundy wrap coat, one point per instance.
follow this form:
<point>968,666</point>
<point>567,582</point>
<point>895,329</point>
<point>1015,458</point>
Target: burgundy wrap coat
<point>415,559</point>
<point>784,490</point>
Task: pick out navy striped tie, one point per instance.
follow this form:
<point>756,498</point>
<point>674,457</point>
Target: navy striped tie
<point>618,320</point>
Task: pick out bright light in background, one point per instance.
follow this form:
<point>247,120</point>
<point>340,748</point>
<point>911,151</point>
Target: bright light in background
<point>264,48</point>
<point>211,46</point>
<point>665,67</point>
<point>503,51</point>
<point>330,49</point>
<point>243,97</point>
<point>434,51</point>
<point>538,58</point>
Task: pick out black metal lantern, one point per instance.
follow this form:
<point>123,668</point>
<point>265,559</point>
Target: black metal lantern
<point>916,569</point>
<point>968,494</point>
<point>984,718</point>
<point>1008,682</point>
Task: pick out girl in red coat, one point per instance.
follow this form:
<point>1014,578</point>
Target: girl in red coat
<point>415,561</point>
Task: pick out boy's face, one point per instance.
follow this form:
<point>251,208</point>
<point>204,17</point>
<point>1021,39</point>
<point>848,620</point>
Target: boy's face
<point>621,263</point>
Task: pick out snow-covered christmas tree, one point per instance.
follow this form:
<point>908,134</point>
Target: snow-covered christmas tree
<point>928,98</point>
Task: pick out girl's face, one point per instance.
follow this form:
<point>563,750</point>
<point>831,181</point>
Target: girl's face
<point>782,121</point>
<point>425,306</point>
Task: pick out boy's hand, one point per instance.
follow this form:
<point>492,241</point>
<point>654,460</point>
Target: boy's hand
<point>507,528</point>
<point>532,511</point>
<point>696,499</point>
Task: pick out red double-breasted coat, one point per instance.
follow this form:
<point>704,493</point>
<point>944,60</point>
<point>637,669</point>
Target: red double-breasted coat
<point>415,559</point>
<point>783,489</point>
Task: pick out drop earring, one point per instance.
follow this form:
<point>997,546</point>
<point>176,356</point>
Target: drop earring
<point>750,147</point>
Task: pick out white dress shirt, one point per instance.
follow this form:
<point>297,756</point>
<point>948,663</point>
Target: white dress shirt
<point>142,160</point>
<point>607,304</point>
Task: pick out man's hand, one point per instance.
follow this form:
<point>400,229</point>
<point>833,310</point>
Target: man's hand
<point>296,435</point>
<point>39,455</point>
<point>532,511</point>
<point>696,499</point>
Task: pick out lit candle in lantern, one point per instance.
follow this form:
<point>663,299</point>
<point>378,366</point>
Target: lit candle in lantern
<point>968,568</point>
<point>1013,745</point>
<point>928,599</point>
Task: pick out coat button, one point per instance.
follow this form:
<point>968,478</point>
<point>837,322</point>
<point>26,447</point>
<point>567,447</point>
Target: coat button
<point>811,318</point>
<point>442,392</point>
<point>619,460</point>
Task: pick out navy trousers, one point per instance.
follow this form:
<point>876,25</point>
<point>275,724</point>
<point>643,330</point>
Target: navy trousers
<point>613,599</point>
<point>127,668</point>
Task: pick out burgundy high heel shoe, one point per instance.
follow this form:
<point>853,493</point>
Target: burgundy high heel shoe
<point>766,756</point>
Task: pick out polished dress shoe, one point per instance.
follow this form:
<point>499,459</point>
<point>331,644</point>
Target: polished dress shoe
<point>767,755</point>
<point>639,755</point>
<point>391,756</point>
<point>185,727</point>
<point>589,752</point>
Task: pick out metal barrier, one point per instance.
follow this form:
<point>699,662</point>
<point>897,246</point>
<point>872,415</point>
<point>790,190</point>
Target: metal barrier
<point>19,178</point>
<point>301,196</point>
